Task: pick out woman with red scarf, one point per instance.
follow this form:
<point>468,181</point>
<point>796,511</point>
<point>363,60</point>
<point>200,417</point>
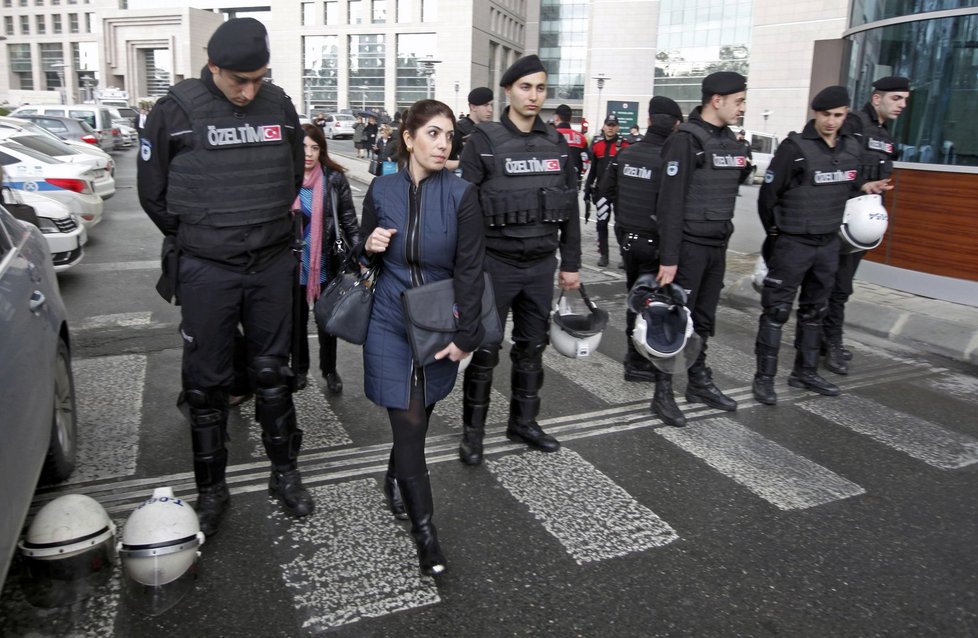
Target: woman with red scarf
<point>320,259</point>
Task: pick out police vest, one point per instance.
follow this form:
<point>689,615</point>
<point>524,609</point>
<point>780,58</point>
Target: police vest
<point>713,187</point>
<point>525,193</point>
<point>878,148</point>
<point>240,170</point>
<point>639,172</point>
<point>816,206</point>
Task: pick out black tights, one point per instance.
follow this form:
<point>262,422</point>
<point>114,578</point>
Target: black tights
<point>409,428</point>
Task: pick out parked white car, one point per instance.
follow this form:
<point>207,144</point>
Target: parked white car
<point>62,230</point>
<point>338,126</point>
<point>71,184</point>
<point>104,160</point>
<point>103,183</point>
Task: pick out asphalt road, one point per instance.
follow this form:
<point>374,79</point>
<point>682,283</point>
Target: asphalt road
<point>852,516</point>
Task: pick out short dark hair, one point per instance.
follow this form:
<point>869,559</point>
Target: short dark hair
<point>420,113</point>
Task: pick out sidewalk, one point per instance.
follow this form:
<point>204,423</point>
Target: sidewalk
<point>934,326</point>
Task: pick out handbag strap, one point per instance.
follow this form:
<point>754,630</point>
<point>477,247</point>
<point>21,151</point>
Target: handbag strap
<point>333,201</point>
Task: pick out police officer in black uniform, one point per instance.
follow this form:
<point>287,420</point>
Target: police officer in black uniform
<point>632,184</point>
<point>603,150</point>
<point>870,125</point>
<point>480,110</point>
<point>220,163</point>
<point>528,191</point>
<point>801,203</point>
<point>704,165</point>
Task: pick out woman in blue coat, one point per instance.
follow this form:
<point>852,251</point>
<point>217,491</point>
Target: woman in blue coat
<point>422,225</point>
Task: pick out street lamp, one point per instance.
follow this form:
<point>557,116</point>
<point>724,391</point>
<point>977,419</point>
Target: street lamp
<point>766,114</point>
<point>456,97</point>
<point>601,78</point>
<point>426,68</point>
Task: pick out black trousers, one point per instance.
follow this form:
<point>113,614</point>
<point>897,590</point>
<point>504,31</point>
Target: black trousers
<point>795,264</point>
<point>528,292</point>
<point>833,324</point>
<point>700,273</point>
<point>215,300</point>
<point>640,253</point>
<point>327,343</point>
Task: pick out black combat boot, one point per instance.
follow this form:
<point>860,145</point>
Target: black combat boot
<point>392,493</point>
<point>637,367</point>
<point>664,403</point>
<point>208,433</point>
<point>835,359</point>
<point>603,260</point>
<point>417,498</point>
<point>476,390</point>
<point>766,349</point>
<point>805,374</point>
<point>282,440</point>
<point>524,405</point>
<point>701,389</point>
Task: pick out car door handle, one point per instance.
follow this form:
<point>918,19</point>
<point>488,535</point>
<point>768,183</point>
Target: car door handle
<point>37,300</point>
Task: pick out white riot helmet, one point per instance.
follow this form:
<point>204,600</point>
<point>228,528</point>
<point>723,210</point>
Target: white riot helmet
<point>159,551</point>
<point>576,331</point>
<point>69,550</point>
<point>864,223</point>
<point>760,273</point>
<point>662,322</point>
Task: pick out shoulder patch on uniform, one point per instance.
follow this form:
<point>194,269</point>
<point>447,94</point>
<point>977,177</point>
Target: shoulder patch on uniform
<point>672,168</point>
<point>145,149</point>
<point>768,177</point>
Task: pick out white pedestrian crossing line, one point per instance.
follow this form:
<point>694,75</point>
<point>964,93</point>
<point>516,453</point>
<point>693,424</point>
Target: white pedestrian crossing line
<point>349,560</point>
<point>960,386</point>
<point>916,437</point>
<point>781,477</point>
<point>598,374</point>
<point>121,320</point>
<point>110,406</point>
<point>320,425</point>
<point>591,515</point>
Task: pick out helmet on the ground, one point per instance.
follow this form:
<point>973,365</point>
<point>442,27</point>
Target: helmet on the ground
<point>159,551</point>
<point>575,331</point>
<point>662,323</point>
<point>69,550</point>
<point>864,223</point>
<point>760,273</point>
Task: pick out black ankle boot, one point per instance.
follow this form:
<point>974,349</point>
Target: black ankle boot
<point>333,382</point>
<point>810,380</point>
<point>701,389</point>
<point>393,493</point>
<point>416,491</point>
<point>763,387</point>
<point>212,503</point>
<point>835,359</point>
<point>664,403</point>
<point>470,449</point>
<point>287,487</point>
<point>637,367</point>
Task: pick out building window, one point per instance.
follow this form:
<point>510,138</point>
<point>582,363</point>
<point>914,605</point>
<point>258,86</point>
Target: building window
<point>88,22</point>
<point>355,7</point>
<point>52,64</point>
<point>25,25</point>
<point>40,24</point>
<point>23,3</point>
<point>379,12</point>
<point>38,3</point>
<point>8,25</point>
<point>366,83</point>
<point>8,3</point>
<point>412,85</point>
<point>73,23</point>
<point>331,13</point>
<point>56,23</point>
<point>429,10</point>
<point>320,72</point>
<point>405,10</point>
<point>308,14</point>
<point>20,66</point>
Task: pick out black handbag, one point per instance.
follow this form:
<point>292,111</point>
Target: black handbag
<point>343,310</point>
<point>376,167</point>
<point>431,320</point>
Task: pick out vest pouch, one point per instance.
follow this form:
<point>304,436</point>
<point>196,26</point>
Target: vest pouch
<point>557,204</point>
<point>517,206</point>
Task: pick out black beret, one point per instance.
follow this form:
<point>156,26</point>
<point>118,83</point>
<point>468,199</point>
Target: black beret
<point>661,105</point>
<point>479,96</point>
<point>240,44</point>
<point>527,65</point>
<point>892,83</point>
<point>564,112</point>
<point>723,83</point>
<point>831,97</point>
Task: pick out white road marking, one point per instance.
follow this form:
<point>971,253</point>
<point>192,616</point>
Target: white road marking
<point>960,386</point>
<point>591,515</point>
<point>121,320</point>
<point>920,439</point>
<point>350,559</point>
<point>116,266</point>
<point>598,374</point>
<point>781,477</point>
<point>110,407</point>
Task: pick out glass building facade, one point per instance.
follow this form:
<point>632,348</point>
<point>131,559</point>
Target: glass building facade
<point>696,38</point>
<point>563,47</point>
<point>320,62</point>
<point>366,71</point>
<point>412,86</point>
<point>940,56</point>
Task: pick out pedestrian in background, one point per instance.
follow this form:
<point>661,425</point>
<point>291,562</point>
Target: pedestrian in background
<point>704,166</point>
<point>812,175</point>
<point>324,183</point>
<point>223,203</point>
<point>529,214</point>
<point>423,225</point>
<point>386,147</point>
<point>370,136</point>
<point>358,142</point>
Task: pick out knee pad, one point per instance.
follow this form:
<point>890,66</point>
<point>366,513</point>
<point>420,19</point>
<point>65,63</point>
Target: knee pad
<point>812,314</point>
<point>484,359</point>
<point>269,372</point>
<point>205,398</point>
<point>777,314</point>
<point>527,355</point>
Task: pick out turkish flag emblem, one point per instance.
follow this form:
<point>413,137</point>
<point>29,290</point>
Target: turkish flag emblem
<point>552,165</point>
<point>271,133</point>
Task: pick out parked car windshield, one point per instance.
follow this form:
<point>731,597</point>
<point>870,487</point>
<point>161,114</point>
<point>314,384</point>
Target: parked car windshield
<point>84,116</point>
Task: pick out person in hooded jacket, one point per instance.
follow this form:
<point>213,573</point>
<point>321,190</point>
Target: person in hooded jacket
<point>423,224</point>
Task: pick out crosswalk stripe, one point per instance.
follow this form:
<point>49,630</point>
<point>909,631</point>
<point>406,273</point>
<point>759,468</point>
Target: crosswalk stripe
<point>320,425</point>
<point>591,515</point>
<point>597,374</point>
<point>920,439</point>
<point>120,320</point>
<point>349,559</point>
<point>958,385</point>
<point>109,416</point>
<point>781,477</point>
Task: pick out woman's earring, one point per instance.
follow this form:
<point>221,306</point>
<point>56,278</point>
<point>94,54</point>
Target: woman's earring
<point>410,149</point>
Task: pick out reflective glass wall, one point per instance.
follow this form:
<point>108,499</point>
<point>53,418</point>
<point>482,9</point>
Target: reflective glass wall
<point>319,73</point>
<point>563,47</point>
<point>866,11</point>
<point>940,56</point>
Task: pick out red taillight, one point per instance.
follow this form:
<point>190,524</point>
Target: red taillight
<point>74,185</point>
<point>116,131</point>
<point>91,139</point>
